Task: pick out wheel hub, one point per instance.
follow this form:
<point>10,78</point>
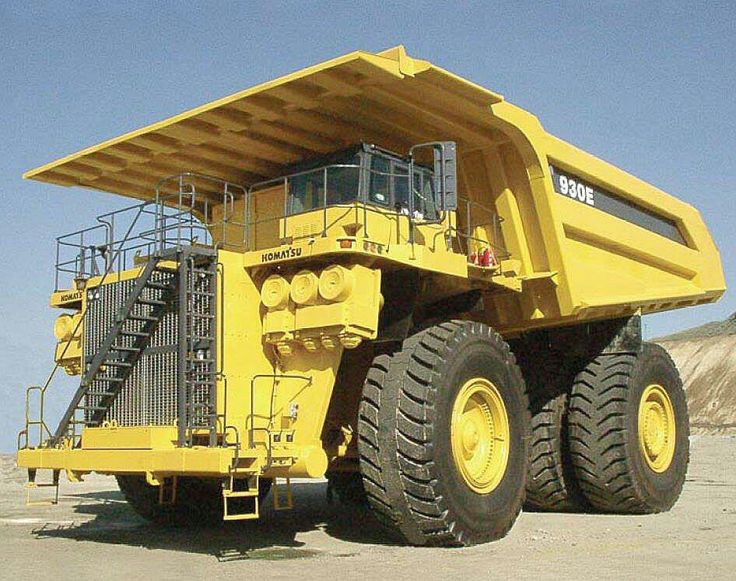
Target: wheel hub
<point>656,428</point>
<point>471,438</point>
<point>479,433</point>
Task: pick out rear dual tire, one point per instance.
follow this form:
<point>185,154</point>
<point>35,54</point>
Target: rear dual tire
<point>552,485</point>
<point>629,432</point>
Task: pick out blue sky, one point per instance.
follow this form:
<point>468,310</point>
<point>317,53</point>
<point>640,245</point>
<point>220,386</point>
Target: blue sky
<point>648,86</point>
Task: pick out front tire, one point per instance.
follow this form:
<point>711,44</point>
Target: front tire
<point>443,436</point>
<point>629,432</point>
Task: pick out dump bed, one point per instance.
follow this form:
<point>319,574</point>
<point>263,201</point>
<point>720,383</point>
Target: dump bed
<point>585,239</point>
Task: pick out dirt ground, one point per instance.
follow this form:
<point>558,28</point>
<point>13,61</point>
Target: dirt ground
<point>93,533</point>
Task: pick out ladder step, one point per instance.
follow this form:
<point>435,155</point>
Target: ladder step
<point>231,492</point>
<point>92,408</point>
<point>135,334</point>
<point>159,285</point>
<point>153,302</point>
<point>201,293</point>
<point>124,348</point>
<point>113,379</point>
<point>239,493</point>
<point>142,318</point>
<point>276,495</point>
<point>118,364</point>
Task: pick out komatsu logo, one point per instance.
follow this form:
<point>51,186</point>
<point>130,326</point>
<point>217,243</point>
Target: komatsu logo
<point>73,296</point>
<point>281,254</point>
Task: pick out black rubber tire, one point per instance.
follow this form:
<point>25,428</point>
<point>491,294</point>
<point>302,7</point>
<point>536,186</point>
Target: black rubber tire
<point>406,459</point>
<point>604,442</point>
<point>347,487</point>
<point>552,485</point>
<point>198,500</point>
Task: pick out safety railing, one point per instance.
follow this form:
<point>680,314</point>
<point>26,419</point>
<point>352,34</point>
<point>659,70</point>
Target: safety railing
<point>363,199</point>
<point>191,209</point>
<point>198,206</point>
<point>199,210</point>
<point>250,421</point>
<point>328,190</point>
<point>31,423</point>
<point>478,230</point>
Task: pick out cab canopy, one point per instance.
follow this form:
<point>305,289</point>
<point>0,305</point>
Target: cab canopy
<point>586,240</point>
<point>387,98</point>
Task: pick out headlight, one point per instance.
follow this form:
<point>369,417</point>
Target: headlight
<point>63,327</point>
<point>275,292</point>
<point>336,283</point>
<point>304,288</point>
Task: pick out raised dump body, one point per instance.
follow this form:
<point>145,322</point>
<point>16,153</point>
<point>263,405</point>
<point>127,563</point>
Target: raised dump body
<point>622,245</point>
<point>364,236</point>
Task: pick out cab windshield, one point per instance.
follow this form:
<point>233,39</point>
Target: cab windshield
<point>372,176</point>
<point>389,186</point>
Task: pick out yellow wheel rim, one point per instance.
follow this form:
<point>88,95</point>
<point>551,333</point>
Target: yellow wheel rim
<point>479,432</point>
<point>656,428</point>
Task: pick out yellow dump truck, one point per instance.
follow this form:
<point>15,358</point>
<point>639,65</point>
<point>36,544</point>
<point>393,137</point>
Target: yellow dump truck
<point>376,271</point>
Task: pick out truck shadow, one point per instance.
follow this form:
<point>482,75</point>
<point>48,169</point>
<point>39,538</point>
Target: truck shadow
<point>272,537</point>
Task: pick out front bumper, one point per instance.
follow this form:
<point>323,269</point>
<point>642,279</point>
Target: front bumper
<point>190,461</point>
<point>152,450</point>
<point>114,450</point>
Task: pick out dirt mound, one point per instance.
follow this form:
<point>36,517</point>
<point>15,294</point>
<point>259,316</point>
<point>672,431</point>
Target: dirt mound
<point>714,329</point>
<point>706,359</point>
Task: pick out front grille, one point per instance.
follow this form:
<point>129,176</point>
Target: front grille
<point>149,395</point>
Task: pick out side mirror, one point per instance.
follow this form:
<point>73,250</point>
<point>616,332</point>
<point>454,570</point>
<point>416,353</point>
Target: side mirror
<point>445,174</point>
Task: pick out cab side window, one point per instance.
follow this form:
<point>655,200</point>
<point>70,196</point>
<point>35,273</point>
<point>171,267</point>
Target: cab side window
<point>424,201</point>
<point>401,185</point>
<point>380,182</point>
<point>342,182</point>
<point>305,192</point>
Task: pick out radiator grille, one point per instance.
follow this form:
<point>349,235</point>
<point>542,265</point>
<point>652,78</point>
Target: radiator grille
<point>149,394</point>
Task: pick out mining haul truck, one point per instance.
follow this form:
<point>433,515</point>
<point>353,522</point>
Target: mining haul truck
<point>377,272</point>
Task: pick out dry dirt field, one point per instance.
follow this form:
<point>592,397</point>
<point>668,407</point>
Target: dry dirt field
<point>92,534</point>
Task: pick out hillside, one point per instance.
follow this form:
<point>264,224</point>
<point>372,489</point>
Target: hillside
<point>706,358</point>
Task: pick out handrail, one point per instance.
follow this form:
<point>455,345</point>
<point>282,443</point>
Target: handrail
<point>361,202</point>
<point>57,364</point>
<point>182,216</point>
<point>495,220</point>
<point>361,196</point>
<point>181,222</point>
<point>177,217</point>
<point>252,415</point>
